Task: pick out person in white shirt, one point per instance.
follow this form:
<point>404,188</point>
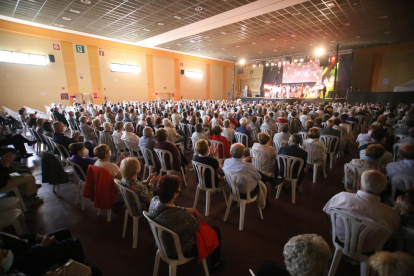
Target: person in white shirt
<point>403,167</point>
<point>284,135</point>
<point>103,153</point>
<point>267,125</point>
<point>265,145</point>
<point>228,132</point>
<point>409,139</point>
<point>305,117</point>
<point>129,135</point>
<point>198,134</point>
<point>366,204</point>
<point>313,139</point>
<point>175,118</point>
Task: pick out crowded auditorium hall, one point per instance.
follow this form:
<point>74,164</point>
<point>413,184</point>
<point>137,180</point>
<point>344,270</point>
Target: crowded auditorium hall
<point>206,137</point>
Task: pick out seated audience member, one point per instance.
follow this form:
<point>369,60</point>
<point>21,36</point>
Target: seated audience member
<point>147,141</point>
<point>243,129</point>
<point>107,128</point>
<point>173,136</point>
<point>80,157</point>
<point>409,123</point>
<point>365,138</point>
<point>329,130</point>
<point>130,168</point>
<point>305,117</point>
<point>294,124</point>
<point>403,167</point>
<point>103,154</point>
<point>96,124</point>
<point>60,138</point>
<point>48,129</point>
<point>254,124</point>
<point>175,117</point>
<point>216,120</point>
<point>17,140</point>
<point>294,150</point>
<point>282,118</point>
<point>318,122</point>
<point>308,125</point>
<point>409,139</point>
<point>265,145</point>
<point>228,131</point>
<point>158,123</point>
<point>377,136</point>
<point>208,156</point>
<point>304,255</point>
<point>352,118</point>
<point>313,139</point>
<point>120,115</point>
<point>198,134</point>
<point>405,204</point>
<point>39,126</point>
<point>129,134</point>
<point>101,115</point>
<point>149,123</point>
<point>87,129</point>
<point>127,118</point>
<point>365,204</point>
<point>26,182</point>
<point>216,131</point>
<point>284,135</point>
<point>385,263</point>
<point>178,157</point>
<point>371,161</point>
<point>185,222</point>
<point>119,127</point>
<point>60,116</point>
<point>34,254</point>
<point>109,115</point>
<point>267,125</point>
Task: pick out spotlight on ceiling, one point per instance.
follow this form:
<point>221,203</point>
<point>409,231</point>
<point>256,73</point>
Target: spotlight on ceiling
<point>319,51</point>
<point>267,63</point>
<point>242,61</point>
<point>254,65</point>
<point>259,64</point>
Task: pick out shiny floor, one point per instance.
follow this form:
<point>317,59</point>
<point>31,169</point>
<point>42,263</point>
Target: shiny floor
<point>243,250</point>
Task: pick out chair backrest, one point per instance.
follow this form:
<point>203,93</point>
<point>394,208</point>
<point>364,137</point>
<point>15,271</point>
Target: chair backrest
<point>279,127</point>
<point>260,120</point>
<point>229,136</point>
<point>220,151</point>
<point>288,165</point>
<point>63,152</point>
<point>397,126</point>
<point>126,194</point>
<point>190,130</point>
<point>206,129</point>
<point>331,142</point>
<point>395,148</point>
<point>254,132</point>
<point>304,135</point>
<point>398,137</point>
<point>162,154</point>
<point>361,119</point>
<point>49,142</point>
<point>268,131</point>
<point>315,153</point>
<point>158,232</point>
<point>183,127</point>
<point>134,149</point>
<point>78,171</point>
<point>277,144</point>
<point>240,137</point>
<point>356,232</point>
<point>351,175</point>
<point>353,124</point>
<point>120,144</point>
<point>201,170</point>
<point>147,154</point>
<point>408,183</point>
<point>388,130</point>
<point>235,180</point>
<point>260,159</point>
<point>139,130</point>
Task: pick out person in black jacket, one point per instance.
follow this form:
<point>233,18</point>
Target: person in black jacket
<point>60,116</point>
<point>294,150</point>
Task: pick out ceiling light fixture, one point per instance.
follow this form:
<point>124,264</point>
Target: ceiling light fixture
<point>267,64</point>
<point>178,44</point>
<point>223,49</point>
<point>192,41</point>
<point>387,32</point>
<point>253,43</point>
<point>333,41</point>
<point>292,47</point>
<point>293,35</point>
<point>272,39</point>
<point>254,65</point>
<point>266,21</point>
<point>223,33</point>
<point>59,25</point>
<point>206,37</point>
<point>347,24</point>
<point>383,16</point>
<point>355,4</point>
<point>161,24</point>
<point>274,50</point>
<point>74,11</point>
<point>330,4</point>
<point>272,64</point>
<point>177,17</point>
<point>66,18</point>
<point>301,60</point>
<point>260,52</point>
<point>242,61</point>
<point>198,8</point>
<point>295,60</point>
<point>295,13</point>
<point>86,2</point>
<point>146,30</point>
<point>167,47</point>
<point>319,52</point>
<point>358,36</point>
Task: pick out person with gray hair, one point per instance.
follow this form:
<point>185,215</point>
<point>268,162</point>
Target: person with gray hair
<point>267,125</point>
<point>304,255</point>
<point>403,167</point>
<point>147,141</point>
<point>86,129</point>
<point>96,124</point>
<point>243,129</point>
<point>228,132</point>
<point>129,135</point>
<point>365,204</point>
<point>107,127</point>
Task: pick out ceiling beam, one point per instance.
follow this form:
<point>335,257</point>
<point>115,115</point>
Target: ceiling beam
<point>235,15</point>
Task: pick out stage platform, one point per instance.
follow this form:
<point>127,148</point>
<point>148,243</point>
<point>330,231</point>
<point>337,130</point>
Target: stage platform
<point>289,100</point>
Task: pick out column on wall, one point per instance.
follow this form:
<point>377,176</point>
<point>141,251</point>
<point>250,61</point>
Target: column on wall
<point>224,82</point>
<point>95,73</point>
<point>236,84</point>
<point>150,77</point>
<point>177,91</point>
<point>70,68</point>
<point>208,81</point>
<point>376,69</point>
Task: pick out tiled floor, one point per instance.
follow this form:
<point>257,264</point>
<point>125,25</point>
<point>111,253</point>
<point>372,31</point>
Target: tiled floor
<point>243,250</point>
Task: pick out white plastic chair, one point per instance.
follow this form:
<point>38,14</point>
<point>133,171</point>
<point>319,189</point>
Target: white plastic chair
<point>81,183</point>
<point>268,131</point>
<point>399,137</point>
<point>217,144</point>
<point>16,191</point>
<point>134,150</point>
<point>13,217</point>
<point>66,165</point>
<point>158,232</point>
<point>120,147</point>
<point>151,165</point>
<point>277,144</point>
<point>240,137</point>
<point>330,141</point>
<point>408,183</point>
<point>201,169</point>
<point>125,192</point>
<point>356,232</point>
<point>356,174</point>
<point>259,159</point>
<point>395,148</point>
<point>288,165</point>
<point>193,142</point>
<point>279,127</point>
<point>315,154</point>
<point>235,180</point>
<point>303,134</point>
<point>161,154</point>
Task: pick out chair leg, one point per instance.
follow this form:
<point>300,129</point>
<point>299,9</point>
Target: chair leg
<point>205,267</point>
<point>228,207</point>
<point>335,261</point>
<point>293,191</point>
<point>196,197</point>
<point>173,270</point>
<point>224,194</point>
<point>135,233</point>
<point>78,194</point>
<point>279,189</point>
<point>156,263</point>
<point>99,212</point>
<point>185,180</point>
<point>331,160</point>
<point>242,212</point>
<point>315,172</point>
<point>145,170</point>
<point>260,209</point>
<point>108,215</point>
<point>21,201</point>
<point>208,196</point>
<point>364,269</point>
<point>125,223</point>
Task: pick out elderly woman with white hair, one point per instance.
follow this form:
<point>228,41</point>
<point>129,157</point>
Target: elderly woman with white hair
<point>107,128</point>
<point>304,255</point>
<point>245,130</point>
<point>96,124</point>
<point>173,136</point>
<point>130,168</point>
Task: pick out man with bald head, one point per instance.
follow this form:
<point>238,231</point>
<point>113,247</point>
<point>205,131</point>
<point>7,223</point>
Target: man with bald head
<point>60,138</point>
<point>403,167</point>
<point>366,204</point>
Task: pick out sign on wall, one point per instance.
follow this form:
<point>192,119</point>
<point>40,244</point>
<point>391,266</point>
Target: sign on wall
<point>101,53</point>
<point>56,46</point>
<point>64,96</point>
<point>80,49</point>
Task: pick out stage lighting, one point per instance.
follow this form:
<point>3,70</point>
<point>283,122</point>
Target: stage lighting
<point>254,65</point>
<point>311,60</point>
<point>267,64</point>
<point>319,51</point>
<point>259,64</point>
<point>279,64</point>
<point>301,60</point>
<point>242,62</point>
<point>272,64</point>
<point>295,60</point>
<point>284,62</point>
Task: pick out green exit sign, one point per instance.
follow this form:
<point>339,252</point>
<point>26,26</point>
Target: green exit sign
<point>80,49</point>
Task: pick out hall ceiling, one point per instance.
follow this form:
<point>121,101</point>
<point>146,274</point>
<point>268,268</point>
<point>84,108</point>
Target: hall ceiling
<point>295,28</point>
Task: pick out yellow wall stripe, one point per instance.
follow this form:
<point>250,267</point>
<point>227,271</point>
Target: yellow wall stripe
<point>150,78</point>
<point>177,76</point>
<point>207,81</point>
<point>95,73</point>
<point>70,68</point>
<point>224,95</point>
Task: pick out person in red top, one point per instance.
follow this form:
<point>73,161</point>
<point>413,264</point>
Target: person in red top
<point>216,131</point>
<point>282,119</point>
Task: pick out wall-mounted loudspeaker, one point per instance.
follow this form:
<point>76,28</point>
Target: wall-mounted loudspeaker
<point>240,69</point>
<point>51,58</point>
<point>182,72</point>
